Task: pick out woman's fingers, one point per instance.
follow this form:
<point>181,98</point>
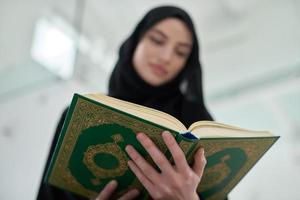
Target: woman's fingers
<point>132,194</point>
<point>142,164</point>
<point>199,163</point>
<point>148,184</point>
<point>177,153</point>
<point>170,183</point>
<point>107,191</point>
<point>158,157</point>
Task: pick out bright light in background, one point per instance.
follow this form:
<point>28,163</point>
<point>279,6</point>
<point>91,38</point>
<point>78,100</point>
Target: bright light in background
<point>54,47</point>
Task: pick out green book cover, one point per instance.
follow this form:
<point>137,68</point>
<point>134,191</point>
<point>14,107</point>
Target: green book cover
<point>91,151</point>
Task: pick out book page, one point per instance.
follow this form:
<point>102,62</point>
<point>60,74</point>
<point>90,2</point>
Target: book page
<point>153,115</point>
<point>209,129</point>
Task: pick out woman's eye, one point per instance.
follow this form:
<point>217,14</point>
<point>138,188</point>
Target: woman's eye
<point>182,54</point>
<point>156,40</point>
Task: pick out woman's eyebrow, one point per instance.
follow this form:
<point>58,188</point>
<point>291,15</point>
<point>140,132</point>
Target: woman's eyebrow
<point>159,32</point>
<point>183,44</point>
<point>188,45</point>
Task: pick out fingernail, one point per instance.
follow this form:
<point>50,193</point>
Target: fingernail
<point>166,134</point>
<point>140,136</point>
<point>113,183</point>
<point>128,148</point>
<point>202,151</point>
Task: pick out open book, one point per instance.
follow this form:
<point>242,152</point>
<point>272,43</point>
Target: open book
<point>91,148</point>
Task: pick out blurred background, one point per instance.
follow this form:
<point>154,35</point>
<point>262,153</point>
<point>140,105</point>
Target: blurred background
<point>50,49</point>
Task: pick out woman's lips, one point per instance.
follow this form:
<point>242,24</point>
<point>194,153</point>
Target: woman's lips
<point>158,70</point>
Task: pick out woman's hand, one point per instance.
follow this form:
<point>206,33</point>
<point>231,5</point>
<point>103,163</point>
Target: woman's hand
<point>109,189</point>
<point>173,182</point>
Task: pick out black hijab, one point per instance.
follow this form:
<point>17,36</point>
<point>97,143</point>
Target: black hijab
<point>184,103</point>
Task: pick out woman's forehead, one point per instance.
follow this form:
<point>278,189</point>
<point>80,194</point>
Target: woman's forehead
<point>173,28</point>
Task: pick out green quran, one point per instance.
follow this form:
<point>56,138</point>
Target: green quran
<point>91,147</point>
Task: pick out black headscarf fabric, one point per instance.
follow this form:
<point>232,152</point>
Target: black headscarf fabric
<point>186,104</point>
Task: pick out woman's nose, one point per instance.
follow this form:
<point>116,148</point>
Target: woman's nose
<point>166,54</point>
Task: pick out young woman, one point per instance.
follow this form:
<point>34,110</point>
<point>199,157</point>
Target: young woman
<point>158,67</point>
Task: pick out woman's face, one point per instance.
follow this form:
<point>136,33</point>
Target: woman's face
<point>163,51</point>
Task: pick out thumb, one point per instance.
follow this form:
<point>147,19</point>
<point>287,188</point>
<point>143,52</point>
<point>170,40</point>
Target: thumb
<point>199,162</point>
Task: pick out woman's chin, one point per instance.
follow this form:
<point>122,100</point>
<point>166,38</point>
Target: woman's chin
<point>156,82</point>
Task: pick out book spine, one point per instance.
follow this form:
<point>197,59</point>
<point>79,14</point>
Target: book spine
<point>188,146</point>
<point>61,134</point>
